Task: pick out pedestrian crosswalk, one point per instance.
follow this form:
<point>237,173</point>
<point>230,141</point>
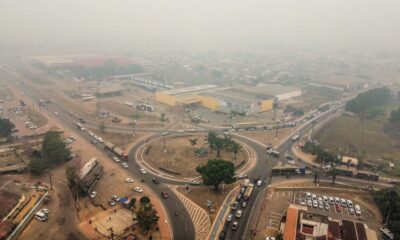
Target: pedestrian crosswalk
<point>200,218</point>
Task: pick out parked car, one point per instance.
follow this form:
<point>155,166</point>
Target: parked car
<point>351,211</point>
<point>129,180</point>
<point>349,203</point>
<point>244,204</point>
<point>308,196</point>
<point>93,194</point>
<point>309,203</point>
<point>155,180</point>
<point>124,165</point>
<point>138,189</point>
<point>143,171</point>
<point>117,159</point>
<point>331,200</point>
<point>235,225</point>
<point>239,196</point>
<point>229,218</point>
<point>338,208</point>
<point>45,211</point>
<point>94,141</point>
<point>234,205</point>
<point>239,213</point>
<point>111,202</point>
<point>343,202</point>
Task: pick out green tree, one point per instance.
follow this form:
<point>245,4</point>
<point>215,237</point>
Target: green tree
<point>367,100</point>
<point>71,175</point>
<point>211,138</point>
<point>132,203</point>
<point>144,200</point>
<point>374,113</point>
<point>193,141</point>
<point>219,145</point>
<point>388,201</point>
<point>279,236</point>
<point>395,117</point>
<point>216,172</point>
<point>37,166</point>
<point>162,117</point>
<point>53,149</point>
<point>235,148</point>
<point>6,127</point>
<point>147,216</point>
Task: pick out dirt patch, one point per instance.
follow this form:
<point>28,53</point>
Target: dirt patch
<point>200,195</point>
<point>267,137</point>
<point>180,156</point>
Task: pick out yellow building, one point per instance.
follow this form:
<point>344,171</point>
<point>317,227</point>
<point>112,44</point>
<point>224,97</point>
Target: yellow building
<point>218,99</point>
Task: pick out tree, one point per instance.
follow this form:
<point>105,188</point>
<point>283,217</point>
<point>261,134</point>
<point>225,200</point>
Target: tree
<point>367,100</point>
<point>132,203</point>
<point>144,200</point>
<point>279,236</point>
<point>71,174</point>
<point>6,127</point>
<point>211,138</point>
<point>388,201</point>
<point>102,128</point>
<point>162,117</point>
<point>219,145</point>
<point>37,166</point>
<point>193,141</point>
<point>235,148</point>
<point>216,172</point>
<point>395,117</point>
<point>147,216</point>
<point>54,150</point>
<point>374,113</point>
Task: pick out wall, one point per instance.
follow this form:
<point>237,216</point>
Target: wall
<point>209,102</point>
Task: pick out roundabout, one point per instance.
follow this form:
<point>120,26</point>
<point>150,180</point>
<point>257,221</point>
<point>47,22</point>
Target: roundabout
<point>175,157</point>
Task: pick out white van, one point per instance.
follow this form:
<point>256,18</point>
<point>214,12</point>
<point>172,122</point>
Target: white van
<point>41,216</point>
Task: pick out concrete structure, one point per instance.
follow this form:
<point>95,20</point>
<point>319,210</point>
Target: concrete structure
<point>300,224</point>
<point>109,90</point>
<point>218,99</point>
<point>280,92</point>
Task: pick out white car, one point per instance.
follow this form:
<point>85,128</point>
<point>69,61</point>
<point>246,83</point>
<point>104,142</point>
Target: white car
<point>117,159</point>
<point>303,202</point>
<point>138,189</point>
<point>45,211</point>
<point>142,170</point>
<point>292,162</point>
<point>129,180</point>
<point>100,140</point>
<point>91,134</point>
<point>124,165</point>
<point>93,194</point>
<point>308,196</point>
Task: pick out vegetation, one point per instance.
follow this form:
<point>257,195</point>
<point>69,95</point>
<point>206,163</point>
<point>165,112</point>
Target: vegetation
<point>216,172</point>
<point>388,201</point>
<point>368,100</point>
<point>294,111</point>
<point>71,175</point>
<point>147,215</point>
<point>110,68</point>
<point>395,117</point>
<point>226,143</point>
<point>102,128</point>
<point>162,117</point>
<point>193,141</point>
<point>144,200</point>
<point>6,127</point>
<point>321,153</point>
<point>53,152</point>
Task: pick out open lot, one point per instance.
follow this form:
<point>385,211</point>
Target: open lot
<point>268,136</point>
<point>278,199</point>
<point>180,156</point>
<point>377,146</point>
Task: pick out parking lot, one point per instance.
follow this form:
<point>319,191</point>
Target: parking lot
<point>277,200</point>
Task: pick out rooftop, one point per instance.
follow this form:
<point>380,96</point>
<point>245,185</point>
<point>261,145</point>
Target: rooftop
<point>193,89</point>
<point>272,89</point>
<point>235,95</point>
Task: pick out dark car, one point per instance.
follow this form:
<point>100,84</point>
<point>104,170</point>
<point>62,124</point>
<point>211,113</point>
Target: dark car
<point>239,196</point>
<point>222,235</point>
<point>164,195</point>
<point>155,180</point>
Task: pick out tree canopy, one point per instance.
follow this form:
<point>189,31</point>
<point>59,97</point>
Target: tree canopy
<point>395,117</point>
<point>216,172</point>
<point>147,215</point>
<point>367,100</point>
<point>388,201</point>
<point>6,127</point>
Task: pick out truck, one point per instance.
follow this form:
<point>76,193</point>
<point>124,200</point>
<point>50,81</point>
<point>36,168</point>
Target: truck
<point>120,153</point>
<point>295,138</point>
<point>79,125</point>
<point>249,126</point>
<point>273,153</point>
<point>249,191</point>
<point>109,146</point>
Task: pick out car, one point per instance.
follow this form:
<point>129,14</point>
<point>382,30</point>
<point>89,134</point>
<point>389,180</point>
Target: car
<point>143,171</point>
<point>327,206</point>
<point>242,176</point>
<point>234,205</point>
<point>319,199</point>
<point>111,202</point>
<point>235,225</point>
<point>222,235</point>
<point>325,199</point>
<point>314,197</point>
<point>115,197</point>
<point>302,201</point>
<point>164,133</point>
<point>100,140</point>
<point>56,113</point>
<point>124,164</point>
<point>338,208</point>
<point>337,200</point>
<point>349,203</point>
<point>315,204</point>
<point>239,196</point>
<point>309,203</point>
<point>244,204</point>
<point>164,195</point>
<point>351,211</point>
<point>229,218</point>
<point>239,214</point>
<point>93,194</point>
<point>270,238</point>
<point>91,134</point>
<point>117,159</point>
<point>321,205</point>
<point>331,200</point>
<point>308,196</point>
<point>138,189</point>
<point>94,141</point>
<point>45,211</point>
<point>155,180</point>
<point>343,202</point>
<point>194,182</point>
<point>129,180</point>
<point>259,182</point>
<point>242,190</point>
<point>358,209</point>
<point>291,162</point>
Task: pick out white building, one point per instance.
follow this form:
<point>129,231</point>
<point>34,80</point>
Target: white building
<point>280,92</point>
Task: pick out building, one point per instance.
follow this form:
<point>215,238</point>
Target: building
<point>300,224</point>
<point>109,90</point>
<point>279,92</point>
<point>89,174</point>
<point>350,161</point>
<point>225,100</point>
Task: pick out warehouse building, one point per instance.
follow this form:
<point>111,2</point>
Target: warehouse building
<point>280,92</point>
<point>218,99</point>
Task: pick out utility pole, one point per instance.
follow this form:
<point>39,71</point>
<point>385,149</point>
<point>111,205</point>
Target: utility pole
<point>51,182</point>
<point>275,108</point>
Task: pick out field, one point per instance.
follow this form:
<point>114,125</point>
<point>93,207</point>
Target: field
<point>180,155</point>
<point>376,146</point>
<point>313,97</point>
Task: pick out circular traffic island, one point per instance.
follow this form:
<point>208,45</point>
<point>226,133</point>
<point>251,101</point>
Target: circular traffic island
<point>180,155</point>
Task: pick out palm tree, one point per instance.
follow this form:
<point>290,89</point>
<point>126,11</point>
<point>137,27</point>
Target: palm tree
<point>235,148</point>
<point>219,145</point>
<point>211,138</point>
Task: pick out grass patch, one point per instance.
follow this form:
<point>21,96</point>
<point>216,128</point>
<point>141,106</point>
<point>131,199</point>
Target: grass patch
<point>373,146</point>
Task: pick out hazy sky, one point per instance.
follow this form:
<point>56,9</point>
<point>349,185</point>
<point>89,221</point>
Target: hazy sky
<point>198,24</point>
